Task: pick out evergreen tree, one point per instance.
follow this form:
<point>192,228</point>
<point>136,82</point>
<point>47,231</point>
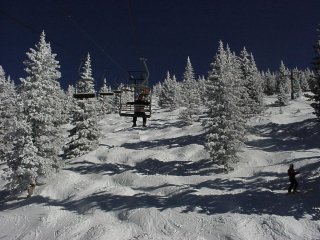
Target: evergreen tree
<point>282,97</point>
<point>168,93</point>
<point>282,78</point>
<point>24,161</point>
<point>36,131</point>
<point>269,83</point>
<point>8,111</point>
<point>246,77</point>
<point>84,137</point>
<point>156,90</point>
<point>202,83</point>
<point>226,125</point>
<point>116,101</point>
<point>316,82</point>
<point>178,92</point>
<point>86,82</point>
<point>303,81</point>
<point>105,101</point>
<point>189,94</point>
<point>70,101</point>
<point>296,88</point>
<point>255,87</point>
<point>310,78</point>
<point>41,95</point>
<point>252,81</point>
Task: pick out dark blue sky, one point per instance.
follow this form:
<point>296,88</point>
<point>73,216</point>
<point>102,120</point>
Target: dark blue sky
<point>167,31</point>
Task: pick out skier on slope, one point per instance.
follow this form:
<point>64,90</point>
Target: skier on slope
<point>30,189</point>
<point>292,178</point>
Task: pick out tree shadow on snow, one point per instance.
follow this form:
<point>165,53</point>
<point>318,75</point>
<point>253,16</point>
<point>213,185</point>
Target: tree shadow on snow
<point>153,166</point>
<point>167,143</point>
<point>149,166</point>
<point>86,167</point>
<point>4,196</point>
<point>303,135</point>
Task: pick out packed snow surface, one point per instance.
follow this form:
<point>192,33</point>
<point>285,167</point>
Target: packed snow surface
<point>158,183</point>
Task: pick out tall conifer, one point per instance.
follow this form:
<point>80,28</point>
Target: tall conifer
<point>37,134</point>
<point>85,135</point>
<point>226,129</point>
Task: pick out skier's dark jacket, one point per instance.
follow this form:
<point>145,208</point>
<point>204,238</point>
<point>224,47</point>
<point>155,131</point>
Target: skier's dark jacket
<point>292,173</point>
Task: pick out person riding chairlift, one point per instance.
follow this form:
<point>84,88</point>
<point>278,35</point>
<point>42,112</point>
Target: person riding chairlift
<point>139,110</point>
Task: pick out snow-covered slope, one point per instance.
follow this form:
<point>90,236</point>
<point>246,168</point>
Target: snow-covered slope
<point>157,183</point>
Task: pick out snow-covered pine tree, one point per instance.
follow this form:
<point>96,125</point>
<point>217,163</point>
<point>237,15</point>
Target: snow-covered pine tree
<point>226,124</point>
<point>282,78</point>
<point>105,102</point>
<point>70,101</point>
<point>168,94</point>
<point>116,101</point>
<point>24,161</point>
<point>316,82</point>
<point>156,90</point>
<point>84,137</point>
<point>251,78</point>
<point>40,115</point>
<point>202,83</point>
<point>256,89</point>
<point>282,98</point>
<point>296,88</point>
<point>65,111</point>
<point>310,78</point>
<point>126,96</point>
<point>269,83</point>
<point>246,80</point>
<point>8,111</point>
<point>86,82</point>
<point>303,81</point>
<point>190,95</point>
<point>178,91</point>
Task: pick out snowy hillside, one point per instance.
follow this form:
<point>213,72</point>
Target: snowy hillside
<point>157,183</point>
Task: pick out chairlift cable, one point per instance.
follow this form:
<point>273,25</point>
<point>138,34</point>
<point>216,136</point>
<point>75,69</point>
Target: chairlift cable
<point>92,40</point>
<point>16,20</point>
<point>101,49</point>
<point>33,30</point>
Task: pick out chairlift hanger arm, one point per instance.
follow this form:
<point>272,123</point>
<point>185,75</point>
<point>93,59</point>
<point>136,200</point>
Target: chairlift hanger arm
<point>146,81</point>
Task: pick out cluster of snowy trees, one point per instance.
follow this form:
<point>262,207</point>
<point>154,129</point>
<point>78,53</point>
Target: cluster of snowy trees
<point>315,88</point>
<point>232,93</point>
<point>32,113</point>
<point>287,81</point>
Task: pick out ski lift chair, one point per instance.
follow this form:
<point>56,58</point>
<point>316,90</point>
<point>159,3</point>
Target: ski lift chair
<point>130,104</point>
<point>84,95</point>
<point>108,93</point>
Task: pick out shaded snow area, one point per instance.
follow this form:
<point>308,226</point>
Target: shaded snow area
<point>157,183</point>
